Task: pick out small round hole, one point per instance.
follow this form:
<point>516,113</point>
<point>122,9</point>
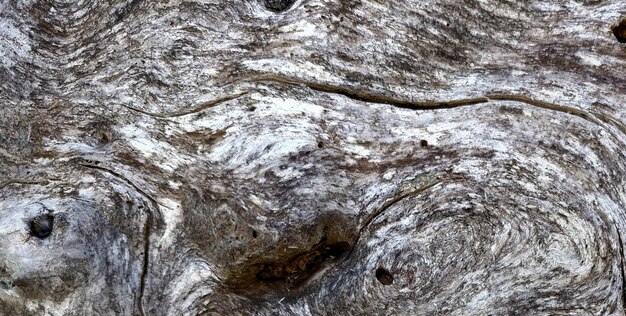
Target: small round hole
<point>255,234</point>
<point>41,226</point>
<point>320,145</point>
<point>384,276</point>
<point>278,5</point>
<point>252,108</point>
<point>424,143</point>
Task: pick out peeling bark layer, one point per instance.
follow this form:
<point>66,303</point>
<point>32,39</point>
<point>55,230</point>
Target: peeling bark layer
<point>312,157</point>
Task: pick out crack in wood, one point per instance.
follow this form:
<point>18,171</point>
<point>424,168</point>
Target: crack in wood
<point>389,203</point>
<point>364,96</point>
<point>147,230</point>
<point>368,97</point>
<point>597,119</point>
<point>395,199</point>
<point>121,177</point>
<point>146,261</point>
<point>199,108</point>
<point>621,262</point>
<point>24,182</point>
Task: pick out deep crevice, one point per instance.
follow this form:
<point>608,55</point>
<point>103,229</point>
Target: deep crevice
<point>298,269</point>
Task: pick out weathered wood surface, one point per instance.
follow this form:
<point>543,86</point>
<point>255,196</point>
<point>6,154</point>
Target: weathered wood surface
<point>322,157</point>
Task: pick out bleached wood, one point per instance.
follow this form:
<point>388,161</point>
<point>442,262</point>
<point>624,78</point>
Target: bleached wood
<point>337,158</point>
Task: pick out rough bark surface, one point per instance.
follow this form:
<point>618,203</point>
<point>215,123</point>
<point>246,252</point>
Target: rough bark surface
<point>312,157</point>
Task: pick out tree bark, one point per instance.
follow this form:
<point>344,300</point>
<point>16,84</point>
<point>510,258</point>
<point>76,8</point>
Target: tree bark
<point>312,157</point>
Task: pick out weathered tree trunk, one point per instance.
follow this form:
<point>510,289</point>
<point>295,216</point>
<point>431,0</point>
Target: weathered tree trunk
<point>316,157</point>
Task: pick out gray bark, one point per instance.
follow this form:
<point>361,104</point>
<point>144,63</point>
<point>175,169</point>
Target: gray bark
<point>312,157</point>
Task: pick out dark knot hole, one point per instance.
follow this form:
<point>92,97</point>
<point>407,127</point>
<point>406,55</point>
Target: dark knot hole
<point>41,226</point>
<point>384,276</point>
<point>619,30</point>
<point>278,5</point>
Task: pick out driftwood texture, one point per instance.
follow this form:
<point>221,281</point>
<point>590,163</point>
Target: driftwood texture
<point>312,157</point>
